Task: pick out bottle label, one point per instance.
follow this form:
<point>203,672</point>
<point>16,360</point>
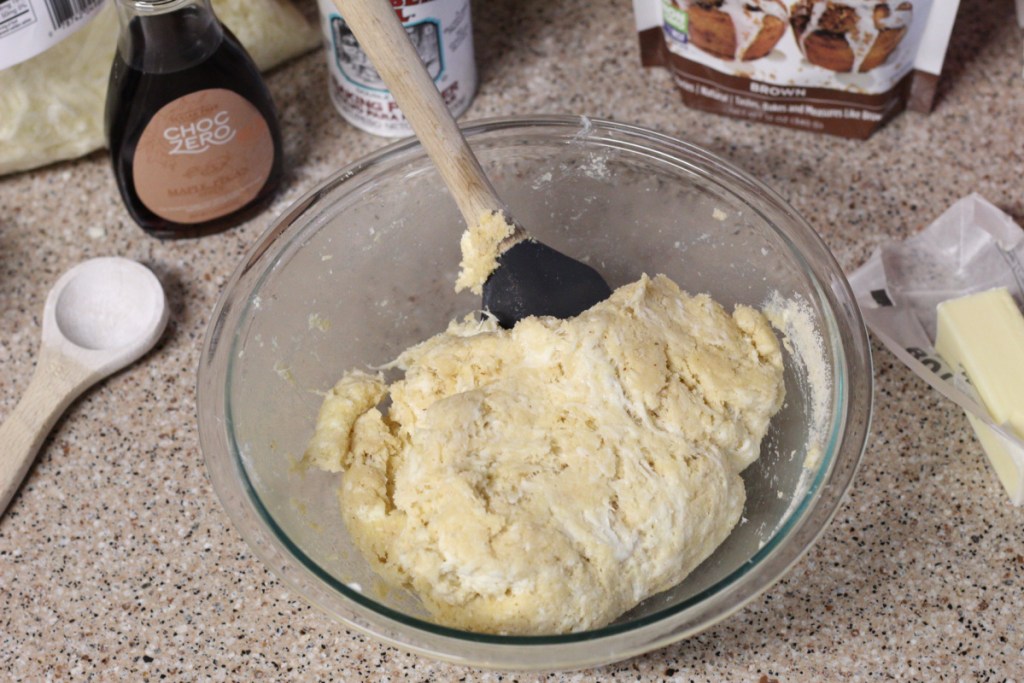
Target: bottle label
<point>203,156</point>
<point>442,33</point>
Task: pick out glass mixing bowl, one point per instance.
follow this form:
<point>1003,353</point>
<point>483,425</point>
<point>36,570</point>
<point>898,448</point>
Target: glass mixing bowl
<point>364,266</point>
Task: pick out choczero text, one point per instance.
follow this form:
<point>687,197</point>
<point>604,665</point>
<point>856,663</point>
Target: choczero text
<point>198,136</point>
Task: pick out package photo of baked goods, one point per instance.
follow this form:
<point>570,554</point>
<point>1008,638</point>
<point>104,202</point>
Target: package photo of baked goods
<point>742,30</point>
<point>852,36</point>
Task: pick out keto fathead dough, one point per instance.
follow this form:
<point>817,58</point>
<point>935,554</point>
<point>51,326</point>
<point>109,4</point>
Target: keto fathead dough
<point>546,479</point>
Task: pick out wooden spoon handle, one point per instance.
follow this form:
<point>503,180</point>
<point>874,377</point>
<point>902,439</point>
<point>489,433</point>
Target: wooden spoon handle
<point>382,37</point>
<point>57,382</point>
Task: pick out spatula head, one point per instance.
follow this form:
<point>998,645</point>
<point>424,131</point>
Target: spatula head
<point>534,279</point>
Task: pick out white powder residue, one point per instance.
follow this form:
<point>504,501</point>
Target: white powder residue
<point>542,181</point>
<point>794,318</point>
<point>594,166</point>
<point>587,127</point>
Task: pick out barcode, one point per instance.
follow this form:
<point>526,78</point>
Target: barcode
<point>63,12</point>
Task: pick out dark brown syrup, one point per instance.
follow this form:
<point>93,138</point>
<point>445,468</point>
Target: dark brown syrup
<point>166,57</point>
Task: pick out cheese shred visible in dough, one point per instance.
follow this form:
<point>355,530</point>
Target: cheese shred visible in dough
<point>548,478</point>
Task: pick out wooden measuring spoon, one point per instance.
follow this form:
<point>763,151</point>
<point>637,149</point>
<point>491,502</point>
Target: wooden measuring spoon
<point>531,277</point>
<point>100,316</point>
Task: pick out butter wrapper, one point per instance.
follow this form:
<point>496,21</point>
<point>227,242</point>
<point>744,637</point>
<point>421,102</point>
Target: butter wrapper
<point>971,248</point>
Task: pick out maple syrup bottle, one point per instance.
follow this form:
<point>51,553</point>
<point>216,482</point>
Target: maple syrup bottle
<point>192,130</point>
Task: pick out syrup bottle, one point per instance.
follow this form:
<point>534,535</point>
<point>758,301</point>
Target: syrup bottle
<point>191,126</point>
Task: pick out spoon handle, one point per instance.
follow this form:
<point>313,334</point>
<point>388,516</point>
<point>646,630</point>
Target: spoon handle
<point>58,380</point>
<point>382,37</point>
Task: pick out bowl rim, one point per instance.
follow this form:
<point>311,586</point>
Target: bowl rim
<point>805,522</point>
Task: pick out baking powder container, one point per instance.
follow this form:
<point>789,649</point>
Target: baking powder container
<point>441,31</point>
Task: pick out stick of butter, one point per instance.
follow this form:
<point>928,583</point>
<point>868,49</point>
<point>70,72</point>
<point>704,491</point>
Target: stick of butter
<point>984,335</point>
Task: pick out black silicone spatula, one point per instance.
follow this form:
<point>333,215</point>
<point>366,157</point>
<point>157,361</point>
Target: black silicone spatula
<point>531,278</point>
<point>534,279</point>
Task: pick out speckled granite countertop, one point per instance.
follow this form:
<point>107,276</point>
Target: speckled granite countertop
<point>118,563</point>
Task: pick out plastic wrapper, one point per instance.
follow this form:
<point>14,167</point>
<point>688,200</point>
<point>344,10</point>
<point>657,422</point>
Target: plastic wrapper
<point>971,248</point>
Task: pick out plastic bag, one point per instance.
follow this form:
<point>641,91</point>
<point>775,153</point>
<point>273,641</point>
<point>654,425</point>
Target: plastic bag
<point>970,248</point>
<point>842,68</point>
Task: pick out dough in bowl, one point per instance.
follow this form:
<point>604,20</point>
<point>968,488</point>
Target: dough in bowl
<point>548,478</point>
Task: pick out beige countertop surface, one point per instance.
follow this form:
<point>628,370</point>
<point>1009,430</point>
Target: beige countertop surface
<point>117,561</point>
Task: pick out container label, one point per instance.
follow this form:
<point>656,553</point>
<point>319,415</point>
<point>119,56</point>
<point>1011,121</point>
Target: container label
<point>203,156</point>
<point>29,27</point>
<point>838,68</point>
<point>442,33</point>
